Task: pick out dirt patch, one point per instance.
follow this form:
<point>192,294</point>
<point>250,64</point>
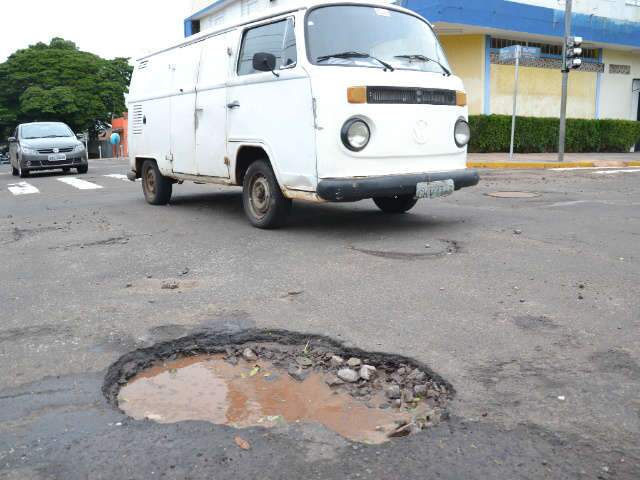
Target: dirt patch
<point>513,195</point>
<point>259,378</point>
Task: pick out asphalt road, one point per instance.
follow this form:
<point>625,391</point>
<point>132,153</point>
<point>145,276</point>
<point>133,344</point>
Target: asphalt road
<point>529,307</point>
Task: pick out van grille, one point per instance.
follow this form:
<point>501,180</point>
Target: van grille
<point>411,96</point>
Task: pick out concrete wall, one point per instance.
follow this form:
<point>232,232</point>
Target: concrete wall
<point>616,97</point>
<point>466,54</point>
<point>540,92</point>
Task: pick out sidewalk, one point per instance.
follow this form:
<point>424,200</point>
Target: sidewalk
<point>550,160</point>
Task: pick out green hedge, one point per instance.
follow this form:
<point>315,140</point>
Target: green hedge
<point>492,133</point>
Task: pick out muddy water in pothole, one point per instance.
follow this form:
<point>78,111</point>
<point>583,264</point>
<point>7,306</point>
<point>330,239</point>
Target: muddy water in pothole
<point>250,394</point>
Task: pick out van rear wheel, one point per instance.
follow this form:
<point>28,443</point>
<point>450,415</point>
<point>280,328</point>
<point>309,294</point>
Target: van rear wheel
<point>397,204</point>
<point>156,187</point>
<point>263,201</point>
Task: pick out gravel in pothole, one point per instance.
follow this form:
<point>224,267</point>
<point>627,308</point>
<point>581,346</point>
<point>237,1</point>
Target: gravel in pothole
<point>262,386</point>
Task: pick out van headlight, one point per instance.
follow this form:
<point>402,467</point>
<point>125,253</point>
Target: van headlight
<point>462,133</point>
<point>78,148</point>
<point>355,134</point>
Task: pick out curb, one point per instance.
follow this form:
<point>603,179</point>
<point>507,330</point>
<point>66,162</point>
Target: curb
<point>550,165</point>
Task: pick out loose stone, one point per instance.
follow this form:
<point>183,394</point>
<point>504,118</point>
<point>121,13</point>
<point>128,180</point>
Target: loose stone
<point>304,362</point>
<point>354,362</point>
<point>333,380</point>
<point>298,373</point>
<point>367,372</point>
<point>392,392</point>
<point>420,391</point>
<point>336,361</point>
<point>348,375</point>
<point>249,355</point>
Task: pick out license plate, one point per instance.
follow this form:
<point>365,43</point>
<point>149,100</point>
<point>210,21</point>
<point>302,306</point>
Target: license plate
<point>57,157</point>
<point>439,188</point>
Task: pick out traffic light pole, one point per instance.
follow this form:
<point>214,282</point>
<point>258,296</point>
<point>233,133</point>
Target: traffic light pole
<point>565,81</point>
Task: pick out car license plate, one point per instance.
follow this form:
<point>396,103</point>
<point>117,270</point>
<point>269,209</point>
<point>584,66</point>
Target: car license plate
<point>439,188</point>
<point>57,157</point>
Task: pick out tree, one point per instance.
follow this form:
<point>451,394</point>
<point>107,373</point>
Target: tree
<point>59,82</point>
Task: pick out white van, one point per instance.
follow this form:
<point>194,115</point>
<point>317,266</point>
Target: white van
<point>327,102</point>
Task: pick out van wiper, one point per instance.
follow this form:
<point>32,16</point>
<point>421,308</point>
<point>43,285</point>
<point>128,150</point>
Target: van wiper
<point>426,59</point>
<point>356,55</point>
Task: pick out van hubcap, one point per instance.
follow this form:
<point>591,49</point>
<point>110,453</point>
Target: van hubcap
<point>260,196</point>
<point>150,181</point>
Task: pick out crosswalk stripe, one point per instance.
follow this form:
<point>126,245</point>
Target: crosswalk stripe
<point>79,184</point>
<point>22,188</point>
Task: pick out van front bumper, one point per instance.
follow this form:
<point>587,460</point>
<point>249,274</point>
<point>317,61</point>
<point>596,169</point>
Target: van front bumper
<point>361,188</point>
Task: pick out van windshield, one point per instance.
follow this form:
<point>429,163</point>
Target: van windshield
<point>361,36</point>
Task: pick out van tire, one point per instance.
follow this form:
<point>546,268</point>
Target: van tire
<point>397,204</point>
<point>14,171</point>
<point>23,173</point>
<point>82,169</point>
<point>263,201</point>
<point>156,187</point>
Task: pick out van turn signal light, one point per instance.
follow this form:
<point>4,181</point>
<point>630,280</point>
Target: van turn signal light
<point>461,99</point>
<point>357,94</point>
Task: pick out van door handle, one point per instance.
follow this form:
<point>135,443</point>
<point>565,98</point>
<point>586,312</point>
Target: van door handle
<point>234,104</point>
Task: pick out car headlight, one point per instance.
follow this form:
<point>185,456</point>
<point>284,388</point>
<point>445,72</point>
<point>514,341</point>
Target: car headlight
<point>462,133</point>
<point>78,148</point>
<point>29,151</point>
<point>355,134</point>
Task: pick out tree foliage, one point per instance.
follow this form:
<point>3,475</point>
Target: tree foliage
<point>59,82</point>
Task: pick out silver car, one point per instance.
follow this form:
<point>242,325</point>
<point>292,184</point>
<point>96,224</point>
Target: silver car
<point>46,146</point>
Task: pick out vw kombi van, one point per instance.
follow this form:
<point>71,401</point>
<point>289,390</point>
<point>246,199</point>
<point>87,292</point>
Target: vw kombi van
<point>326,102</point>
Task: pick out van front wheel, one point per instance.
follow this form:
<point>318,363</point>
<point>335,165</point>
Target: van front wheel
<point>264,204</point>
<point>156,187</point>
<point>397,204</point>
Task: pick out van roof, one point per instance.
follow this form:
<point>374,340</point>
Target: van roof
<point>271,12</point>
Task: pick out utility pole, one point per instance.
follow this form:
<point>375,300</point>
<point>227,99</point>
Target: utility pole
<point>565,80</point>
<point>571,53</point>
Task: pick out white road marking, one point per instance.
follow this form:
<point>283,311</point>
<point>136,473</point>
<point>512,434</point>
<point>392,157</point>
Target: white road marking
<point>22,188</point>
<point>79,184</point>
<point>611,172</point>
<point>119,176</point>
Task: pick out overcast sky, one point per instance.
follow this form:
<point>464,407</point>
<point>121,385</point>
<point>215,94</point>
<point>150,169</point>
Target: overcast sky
<point>113,28</point>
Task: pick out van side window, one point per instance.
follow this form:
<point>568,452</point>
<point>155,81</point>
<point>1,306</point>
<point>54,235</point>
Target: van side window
<point>276,38</point>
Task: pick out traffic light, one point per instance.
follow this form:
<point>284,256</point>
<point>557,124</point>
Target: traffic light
<point>573,53</point>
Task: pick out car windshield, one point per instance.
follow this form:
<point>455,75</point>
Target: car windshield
<point>351,35</point>
<point>45,130</point>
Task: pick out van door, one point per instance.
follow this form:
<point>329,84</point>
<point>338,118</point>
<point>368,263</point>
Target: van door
<point>211,107</point>
<point>184,64</point>
<point>274,108</point>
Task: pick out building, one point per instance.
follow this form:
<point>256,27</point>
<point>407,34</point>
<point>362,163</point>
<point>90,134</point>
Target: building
<point>472,32</point>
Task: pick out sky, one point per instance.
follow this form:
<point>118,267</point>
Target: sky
<point>114,28</point>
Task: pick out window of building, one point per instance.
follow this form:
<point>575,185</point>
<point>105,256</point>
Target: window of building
<point>277,38</point>
<point>548,50</point>
<point>249,6</point>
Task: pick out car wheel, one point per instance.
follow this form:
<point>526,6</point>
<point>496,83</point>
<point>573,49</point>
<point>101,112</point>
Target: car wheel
<point>14,171</point>
<point>22,173</point>
<point>156,187</point>
<point>397,204</point>
<point>82,169</point>
<point>263,201</point>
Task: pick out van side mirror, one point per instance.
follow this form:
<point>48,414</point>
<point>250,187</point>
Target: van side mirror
<point>264,62</point>
<point>12,140</point>
<point>80,136</point>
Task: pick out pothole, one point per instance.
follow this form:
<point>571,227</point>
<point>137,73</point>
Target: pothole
<point>513,194</point>
<point>411,250</point>
<point>274,379</point>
